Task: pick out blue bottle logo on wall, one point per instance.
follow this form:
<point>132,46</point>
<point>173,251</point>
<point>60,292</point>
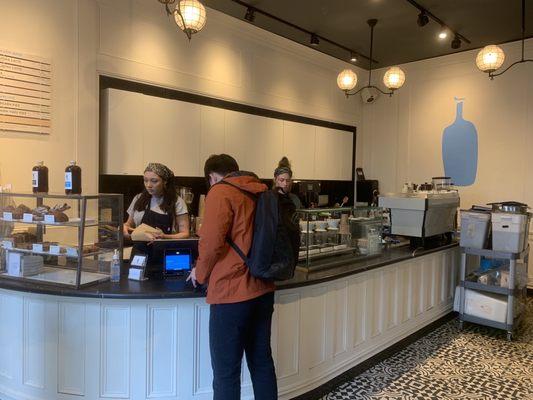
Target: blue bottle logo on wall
<point>460,149</point>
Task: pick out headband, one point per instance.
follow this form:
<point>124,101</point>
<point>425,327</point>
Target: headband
<point>160,170</point>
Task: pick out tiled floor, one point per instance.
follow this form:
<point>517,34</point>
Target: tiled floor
<point>476,363</point>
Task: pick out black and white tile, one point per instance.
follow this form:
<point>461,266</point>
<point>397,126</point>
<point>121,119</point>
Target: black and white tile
<point>477,363</point>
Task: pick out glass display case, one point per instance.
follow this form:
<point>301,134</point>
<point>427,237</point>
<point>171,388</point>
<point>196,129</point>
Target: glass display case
<point>330,232</point>
<point>66,240</point>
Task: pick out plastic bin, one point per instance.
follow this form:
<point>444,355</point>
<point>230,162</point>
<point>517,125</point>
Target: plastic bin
<point>483,305</point>
<point>509,232</point>
<point>474,229</point>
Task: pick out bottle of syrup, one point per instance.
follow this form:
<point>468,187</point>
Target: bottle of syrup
<point>39,180</point>
<point>73,179</point>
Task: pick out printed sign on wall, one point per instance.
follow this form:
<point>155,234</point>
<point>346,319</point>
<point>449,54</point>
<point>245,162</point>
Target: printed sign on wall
<point>460,149</point>
<point>25,93</point>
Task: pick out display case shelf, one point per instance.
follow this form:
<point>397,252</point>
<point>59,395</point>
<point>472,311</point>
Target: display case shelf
<point>482,287</point>
<point>72,223</point>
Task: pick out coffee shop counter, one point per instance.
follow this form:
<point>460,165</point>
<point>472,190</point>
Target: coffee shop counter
<point>138,340</point>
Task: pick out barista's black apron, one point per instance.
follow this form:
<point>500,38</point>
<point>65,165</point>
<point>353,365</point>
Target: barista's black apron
<point>155,220</point>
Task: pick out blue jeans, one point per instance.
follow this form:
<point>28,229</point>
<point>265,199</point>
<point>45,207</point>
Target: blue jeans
<point>239,328</point>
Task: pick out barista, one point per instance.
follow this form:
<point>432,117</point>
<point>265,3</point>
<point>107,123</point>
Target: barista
<point>158,206</point>
<point>283,181</point>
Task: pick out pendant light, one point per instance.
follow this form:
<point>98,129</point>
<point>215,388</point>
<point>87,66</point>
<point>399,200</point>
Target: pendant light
<point>189,15</point>
<point>491,58</point>
<point>393,79</point>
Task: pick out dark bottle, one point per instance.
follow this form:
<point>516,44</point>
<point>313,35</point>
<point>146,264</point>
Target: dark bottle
<point>39,180</point>
<point>73,179</point>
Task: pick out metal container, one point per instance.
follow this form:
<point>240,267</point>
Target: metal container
<point>441,183</point>
<point>510,207</point>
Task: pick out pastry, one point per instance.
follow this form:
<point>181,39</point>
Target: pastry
<point>24,209</point>
<point>39,212</point>
<point>60,207</point>
<point>90,248</point>
<point>59,216</point>
<point>24,237</point>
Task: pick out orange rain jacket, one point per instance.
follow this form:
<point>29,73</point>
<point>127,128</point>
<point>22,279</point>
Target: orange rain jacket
<point>229,212</point>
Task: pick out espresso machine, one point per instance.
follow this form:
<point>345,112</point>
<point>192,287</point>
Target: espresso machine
<point>424,214</point>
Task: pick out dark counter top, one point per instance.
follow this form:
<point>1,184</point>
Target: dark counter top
<point>326,270</point>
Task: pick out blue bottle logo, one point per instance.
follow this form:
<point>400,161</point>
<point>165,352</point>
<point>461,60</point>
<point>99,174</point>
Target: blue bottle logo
<point>460,149</point>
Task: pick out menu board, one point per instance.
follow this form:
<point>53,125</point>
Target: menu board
<point>25,93</point>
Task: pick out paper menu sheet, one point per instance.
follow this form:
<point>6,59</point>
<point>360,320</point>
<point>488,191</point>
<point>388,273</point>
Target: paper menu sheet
<point>139,234</point>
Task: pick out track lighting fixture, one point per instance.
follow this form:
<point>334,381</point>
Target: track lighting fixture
<point>425,16</point>
<point>423,19</point>
<point>251,11</point>
<point>250,14</point>
<point>393,79</point>
<point>189,15</point>
<point>456,43</point>
<point>490,58</point>
<point>353,57</point>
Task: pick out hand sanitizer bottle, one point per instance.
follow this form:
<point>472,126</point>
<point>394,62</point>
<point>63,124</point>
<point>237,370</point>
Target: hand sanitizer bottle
<point>115,267</point>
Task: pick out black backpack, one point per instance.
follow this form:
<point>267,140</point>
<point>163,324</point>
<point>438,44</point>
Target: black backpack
<point>276,240</point>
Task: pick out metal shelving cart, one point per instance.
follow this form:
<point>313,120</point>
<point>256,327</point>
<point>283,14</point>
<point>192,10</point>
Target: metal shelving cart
<point>513,291</point>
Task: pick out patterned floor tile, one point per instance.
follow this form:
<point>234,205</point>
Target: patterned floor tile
<point>477,363</point>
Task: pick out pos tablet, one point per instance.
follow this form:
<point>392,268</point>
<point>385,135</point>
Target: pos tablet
<point>177,262</point>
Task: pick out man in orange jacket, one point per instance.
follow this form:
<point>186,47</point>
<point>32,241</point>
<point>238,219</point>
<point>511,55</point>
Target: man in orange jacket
<point>241,305</point>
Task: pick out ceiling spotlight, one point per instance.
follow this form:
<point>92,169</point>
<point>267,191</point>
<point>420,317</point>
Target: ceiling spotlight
<point>250,14</point>
<point>456,43</point>
<point>353,57</point>
<point>443,34</point>
<point>423,19</point>
<point>314,40</point>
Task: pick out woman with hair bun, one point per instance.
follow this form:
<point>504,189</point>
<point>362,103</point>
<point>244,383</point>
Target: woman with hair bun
<point>283,181</point>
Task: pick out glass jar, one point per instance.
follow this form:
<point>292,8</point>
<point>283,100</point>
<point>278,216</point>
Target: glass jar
<point>321,236</point>
<point>306,238</point>
<point>333,237</point>
<point>374,241</point>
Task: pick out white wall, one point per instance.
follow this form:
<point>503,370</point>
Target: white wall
<point>401,136</point>
<point>50,29</point>
<point>135,40</point>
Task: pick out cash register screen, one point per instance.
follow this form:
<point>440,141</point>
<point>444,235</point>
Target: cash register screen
<point>177,261</point>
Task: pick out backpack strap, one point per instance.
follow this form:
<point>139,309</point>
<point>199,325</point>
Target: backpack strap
<point>228,239</point>
<point>237,249</point>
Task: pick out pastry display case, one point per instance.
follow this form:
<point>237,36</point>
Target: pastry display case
<point>66,240</point>
<point>346,231</point>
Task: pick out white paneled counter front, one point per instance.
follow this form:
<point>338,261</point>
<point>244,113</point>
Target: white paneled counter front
<point>71,347</point>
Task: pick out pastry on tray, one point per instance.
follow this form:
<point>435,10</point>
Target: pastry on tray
<point>23,209</point>
<point>59,216</point>
<point>39,212</point>
<point>18,213</point>
<point>90,248</point>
